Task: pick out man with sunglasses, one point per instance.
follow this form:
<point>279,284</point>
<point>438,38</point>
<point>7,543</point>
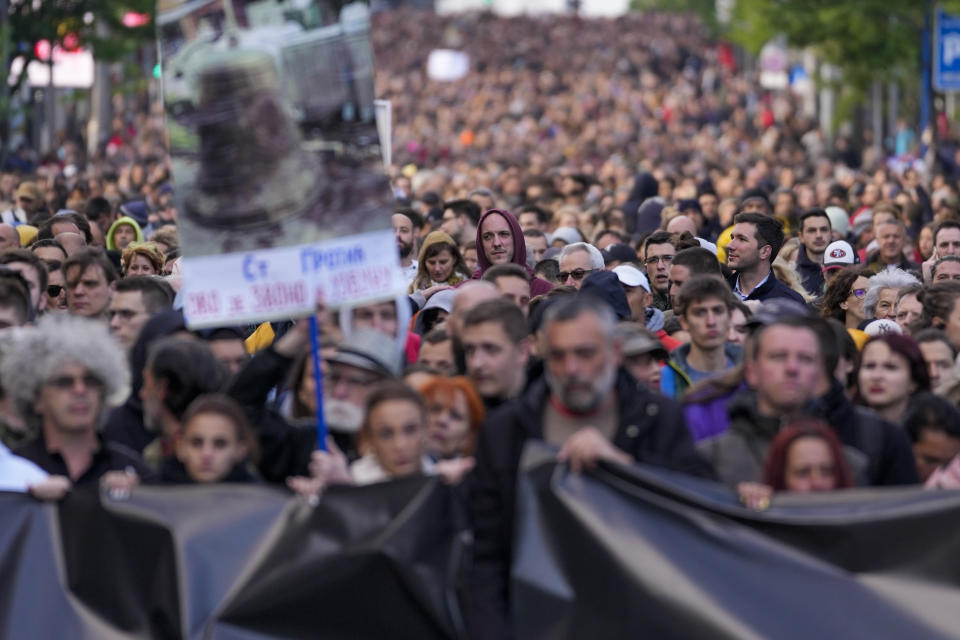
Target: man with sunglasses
<point>658,252</point>
<point>577,261</point>
<point>63,375</point>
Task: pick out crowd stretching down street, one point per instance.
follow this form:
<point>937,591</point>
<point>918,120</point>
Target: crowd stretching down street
<point>615,241</point>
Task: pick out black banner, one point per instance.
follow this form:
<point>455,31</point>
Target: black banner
<point>616,553</point>
<point>232,562</point>
<point>640,552</point>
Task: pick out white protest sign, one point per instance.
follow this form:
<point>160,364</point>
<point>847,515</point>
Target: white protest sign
<point>280,283</point>
<point>277,162</point>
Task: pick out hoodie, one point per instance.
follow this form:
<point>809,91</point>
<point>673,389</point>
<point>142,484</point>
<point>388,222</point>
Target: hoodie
<point>537,285</point>
<point>120,221</point>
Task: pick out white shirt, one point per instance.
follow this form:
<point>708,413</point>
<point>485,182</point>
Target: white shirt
<point>16,473</point>
<point>410,272</point>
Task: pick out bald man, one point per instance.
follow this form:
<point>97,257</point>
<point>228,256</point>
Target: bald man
<point>9,238</point>
<point>71,242</point>
<point>680,224</point>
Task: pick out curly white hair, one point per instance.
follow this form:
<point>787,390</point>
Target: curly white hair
<point>30,356</point>
<point>887,279</point>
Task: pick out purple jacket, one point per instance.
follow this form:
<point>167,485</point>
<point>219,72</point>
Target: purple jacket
<point>710,418</point>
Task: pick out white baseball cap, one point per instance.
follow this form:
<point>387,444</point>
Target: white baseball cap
<point>882,327</point>
<point>630,276</point>
<point>839,254</point>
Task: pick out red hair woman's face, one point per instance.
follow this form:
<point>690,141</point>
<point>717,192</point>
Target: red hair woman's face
<point>810,466</point>
<point>448,426</point>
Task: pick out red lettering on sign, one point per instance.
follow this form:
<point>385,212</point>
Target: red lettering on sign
<point>358,283</point>
<point>279,296</point>
<point>202,303</point>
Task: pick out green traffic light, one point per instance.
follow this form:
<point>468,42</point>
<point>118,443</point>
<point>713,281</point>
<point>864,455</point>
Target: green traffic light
<point>156,70</point>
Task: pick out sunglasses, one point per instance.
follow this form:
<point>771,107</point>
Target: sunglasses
<point>576,274</point>
<point>54,290</point>
<point>859,292</point>
<point>67,383</point>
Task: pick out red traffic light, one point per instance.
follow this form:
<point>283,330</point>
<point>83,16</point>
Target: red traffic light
<point>42,50</point>
<point>133,19</point>
<point>71,42</point>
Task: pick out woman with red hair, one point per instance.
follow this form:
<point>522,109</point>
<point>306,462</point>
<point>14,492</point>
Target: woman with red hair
<point>456,412</point>
<point>805,457</point>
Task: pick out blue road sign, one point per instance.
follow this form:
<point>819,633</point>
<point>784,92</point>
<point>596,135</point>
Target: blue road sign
<point>946,52</point>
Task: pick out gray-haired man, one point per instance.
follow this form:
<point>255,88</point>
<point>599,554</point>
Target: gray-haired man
<point>63,375</point>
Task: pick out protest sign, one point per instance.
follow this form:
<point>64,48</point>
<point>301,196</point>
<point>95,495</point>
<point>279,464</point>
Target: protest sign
<point>273,136</point>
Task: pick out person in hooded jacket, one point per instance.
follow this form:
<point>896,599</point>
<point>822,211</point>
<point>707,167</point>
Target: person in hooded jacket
<point>500,240</point>
<point>124,231</point>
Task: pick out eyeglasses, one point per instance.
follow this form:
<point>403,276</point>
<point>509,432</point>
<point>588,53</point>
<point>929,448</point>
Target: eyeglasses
<point>54,290</point>
<point>652,260</point>
<point>859,293</point>
<point>67,383</point>
<point>576,274</point>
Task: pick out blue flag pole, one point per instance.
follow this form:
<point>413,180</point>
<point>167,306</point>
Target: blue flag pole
<point>318,380</point>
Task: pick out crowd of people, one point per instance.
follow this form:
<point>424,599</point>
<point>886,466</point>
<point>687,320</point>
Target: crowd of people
<point>614,242</point>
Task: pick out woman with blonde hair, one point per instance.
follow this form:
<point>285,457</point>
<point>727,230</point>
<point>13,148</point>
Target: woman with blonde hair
<point>439,266</point>
<point>786,272</point>
<point>141,259</point>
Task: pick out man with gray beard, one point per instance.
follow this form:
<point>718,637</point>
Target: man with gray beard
<point>363,359</point>
<point>589,407</point>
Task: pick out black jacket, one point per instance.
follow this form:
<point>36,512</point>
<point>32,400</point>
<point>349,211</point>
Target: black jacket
<point>284,448</point>
<point>769,290</point>
<point>651,429</point>
<point>125,426</point>
<point>886,446</point>
<point>810,272</point>
<point>109,456</point>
